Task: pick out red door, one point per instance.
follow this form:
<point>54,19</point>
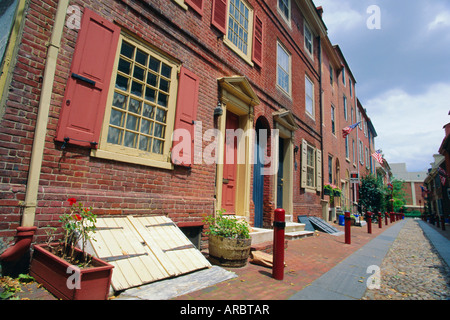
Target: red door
<point>229,164</point>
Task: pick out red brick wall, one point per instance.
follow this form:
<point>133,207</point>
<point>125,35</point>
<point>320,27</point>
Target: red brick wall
<point>113,187</point>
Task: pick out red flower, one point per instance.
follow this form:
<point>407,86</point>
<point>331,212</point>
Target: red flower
<point>72,201</point>
<point>78,217</point>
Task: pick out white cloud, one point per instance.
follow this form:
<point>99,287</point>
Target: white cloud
<point>440,21</point>
<point>410,126</point>
<point>339,16</point>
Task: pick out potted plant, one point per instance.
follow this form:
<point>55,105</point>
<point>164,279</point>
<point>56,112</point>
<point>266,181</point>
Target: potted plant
<point>229,240</point>
<point>68,272</point>
<point>328,189</point>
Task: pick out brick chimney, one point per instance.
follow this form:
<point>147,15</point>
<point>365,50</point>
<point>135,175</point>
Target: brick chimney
<point>320,11</point>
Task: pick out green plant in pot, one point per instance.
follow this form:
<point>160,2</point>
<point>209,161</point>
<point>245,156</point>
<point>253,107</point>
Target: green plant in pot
<point>229,240</point>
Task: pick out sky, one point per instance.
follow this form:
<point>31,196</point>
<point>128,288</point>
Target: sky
<point>401,61</point>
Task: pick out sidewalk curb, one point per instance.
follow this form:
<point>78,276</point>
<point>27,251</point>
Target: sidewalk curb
<point>347,280</point>
<point>439,242</point>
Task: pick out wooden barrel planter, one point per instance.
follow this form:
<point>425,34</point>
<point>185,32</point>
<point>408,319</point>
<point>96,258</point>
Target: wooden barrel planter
<point>229,252</point>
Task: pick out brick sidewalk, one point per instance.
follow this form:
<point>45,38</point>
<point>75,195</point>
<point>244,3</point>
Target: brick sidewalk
<point>306,260</point>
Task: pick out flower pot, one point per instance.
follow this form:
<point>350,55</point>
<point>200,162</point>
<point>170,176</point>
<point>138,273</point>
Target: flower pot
<point>60,278</point>
<point>229,252</point>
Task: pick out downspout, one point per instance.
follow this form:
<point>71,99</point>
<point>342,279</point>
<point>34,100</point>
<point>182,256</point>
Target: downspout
<point>27,229</point>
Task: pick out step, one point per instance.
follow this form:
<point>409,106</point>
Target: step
<point>260,235</point>
<point>294,226</point>
<point>298,235</point>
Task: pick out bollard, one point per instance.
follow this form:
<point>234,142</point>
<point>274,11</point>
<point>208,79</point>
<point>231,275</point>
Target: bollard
<point>391,215</point>
<point>437,222</point>
<point>369,222</point>
<point>380,222</point>
<point>443,223</point>
<point>386,218</point>
<point>279,225</point>
<point>348,222</point>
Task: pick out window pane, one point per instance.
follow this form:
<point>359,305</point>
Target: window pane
<point>117,118</point>
<point>124,66</point>
<point>127,50</point>
<point>141,57</point>
<point>133,109</point>
<point>121,83</point>
<point>119,100</point>
<point>114,135</point>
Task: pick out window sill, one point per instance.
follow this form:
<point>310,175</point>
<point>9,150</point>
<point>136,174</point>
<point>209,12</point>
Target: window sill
<point>102,154</point>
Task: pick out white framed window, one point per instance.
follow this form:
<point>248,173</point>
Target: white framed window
<point>309,97</point>
<point>354,152</point>
<point>345,108</point>
<point>140,114</point>
<point>347,149</point>
<point>343,76</point>
<point>283,69</point>
<point>367,158</point>
<point>239,29</point>
<point>284,8</point>
<point>309,42</point>
<point>361,152</point>
<point>333,120</point>
<point>351,87</point>
<point>311,167</point>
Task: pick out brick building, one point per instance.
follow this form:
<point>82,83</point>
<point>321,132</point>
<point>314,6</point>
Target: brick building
<point>126,106</point>
<point>412,182</point>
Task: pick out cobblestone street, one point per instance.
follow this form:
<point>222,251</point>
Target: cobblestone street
<point>412,269</point>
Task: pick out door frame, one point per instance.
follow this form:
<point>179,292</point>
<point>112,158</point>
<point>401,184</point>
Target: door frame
<point>285,123</point>
<point>237,96</point>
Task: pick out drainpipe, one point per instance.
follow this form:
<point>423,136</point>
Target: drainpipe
<point>27,229</point>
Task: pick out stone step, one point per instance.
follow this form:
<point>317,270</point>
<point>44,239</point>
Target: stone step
<point>298,235</point>
<point>294,226</point>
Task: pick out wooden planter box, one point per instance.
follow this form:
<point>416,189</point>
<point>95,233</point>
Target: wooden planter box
<point>53,273</point>
<point>229,252</point>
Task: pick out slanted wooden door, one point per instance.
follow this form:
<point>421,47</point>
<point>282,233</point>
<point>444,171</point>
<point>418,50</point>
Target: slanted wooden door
<point>144,249</point>
<point>229,164</point>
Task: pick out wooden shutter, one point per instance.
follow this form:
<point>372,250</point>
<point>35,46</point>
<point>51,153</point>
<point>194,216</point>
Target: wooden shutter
<point>318,170</point>
<point>86,92</point>
<point>219,15</point>
<point>186,113</point>
<point>304,159</point>
<point>197,5</point>
<point>257,41</point>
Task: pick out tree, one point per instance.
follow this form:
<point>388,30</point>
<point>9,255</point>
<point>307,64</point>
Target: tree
<point>371,194</point>
<point>397,194</point>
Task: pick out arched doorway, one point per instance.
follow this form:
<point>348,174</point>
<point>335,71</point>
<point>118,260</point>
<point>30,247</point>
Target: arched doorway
<point>261,150</point>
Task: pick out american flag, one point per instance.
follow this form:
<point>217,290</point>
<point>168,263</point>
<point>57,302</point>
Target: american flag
<point>442,175</point>
<point>347,130</point>
<point>378,156</point>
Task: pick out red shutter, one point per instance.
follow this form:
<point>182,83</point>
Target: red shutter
<point>257,41</point>
<point>197,5</point>
<point>219,15</point>
<point>186,113</point>
<point>86,93</point>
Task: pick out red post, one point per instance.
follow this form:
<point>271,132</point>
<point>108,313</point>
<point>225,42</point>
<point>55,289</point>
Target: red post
<point>392,217</point>
<point>348,222</point>
<point>279,225</point>
<point>380,222</point>
<point>369,222</point>
<point>386,218</point>
<point>443,223</point>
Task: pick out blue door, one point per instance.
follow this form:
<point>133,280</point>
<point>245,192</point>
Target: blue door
<point>258,182</point>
